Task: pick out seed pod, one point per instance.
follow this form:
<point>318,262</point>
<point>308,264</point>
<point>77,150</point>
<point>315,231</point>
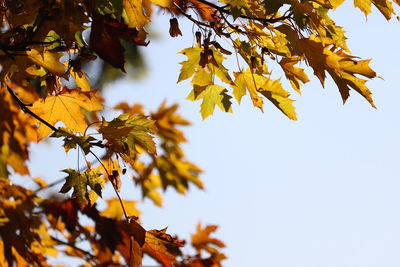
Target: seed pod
<point>174,30</point>
<point>221,49</point>
<point>211,58</point>
<point>198,38</point>
<point>253,64</point>
<point>115,180</point>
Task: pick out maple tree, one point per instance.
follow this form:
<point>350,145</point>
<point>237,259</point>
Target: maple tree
<point>42,44</point>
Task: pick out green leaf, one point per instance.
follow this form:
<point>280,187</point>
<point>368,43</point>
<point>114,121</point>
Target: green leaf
<point>71,140</point>
<point>87,186</point>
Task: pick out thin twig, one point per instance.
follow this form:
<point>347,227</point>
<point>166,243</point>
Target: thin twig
<point>87,253</point>
<point>198,23</point>
<point>115,189</point>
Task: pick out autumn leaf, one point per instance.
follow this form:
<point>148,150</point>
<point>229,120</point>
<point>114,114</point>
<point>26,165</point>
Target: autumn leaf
<point>189,66</point>
<point>79,77</point>
<point>273,90</point>
<point>162,247</point>
<point>105,39</point>
<point>71,140</point>
<point>49,60</point>
<point>177,172</point>
<point>87,186</point>
<point>202,240</point>
<point>66,107</point>
<point>136,16</point>
<point>114,209</point>
<point>212,95</point>
<point>126,132</point>
<point>341,66</point>
<point>294,74</point>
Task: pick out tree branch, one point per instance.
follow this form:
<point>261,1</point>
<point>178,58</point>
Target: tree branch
<point>25,109</point>
<point>223,10</point>
<point>87,253</point>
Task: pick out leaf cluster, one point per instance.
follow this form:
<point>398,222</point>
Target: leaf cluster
<point>44,43</point>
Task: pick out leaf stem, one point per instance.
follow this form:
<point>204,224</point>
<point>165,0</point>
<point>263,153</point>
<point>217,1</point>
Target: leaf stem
<point>115,189</point>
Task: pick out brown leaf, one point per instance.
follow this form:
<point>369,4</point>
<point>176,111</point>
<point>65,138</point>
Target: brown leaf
<point>162,247</point>
<point>105,39</point>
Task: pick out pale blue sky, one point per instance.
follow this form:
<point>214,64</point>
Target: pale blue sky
<point>322,191</point>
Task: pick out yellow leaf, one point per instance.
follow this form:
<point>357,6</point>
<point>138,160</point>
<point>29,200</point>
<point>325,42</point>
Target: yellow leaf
<point>163,3</point>
<point>239,86</point>
<point>66,107</point>
<point>212,95</point>
<point>189,66</point>
<point>237,3</point>
<point>46,244</point>
<point>202,77</point>
<point>3,261</point>
<point>47,59</point>
<point>359,85</point>
<point>358,67</point>
<point>294,74</point>
<point>114,209</point>
<point>79,77</point>
<point>363,5</point>
<point>385,7</point>
<point>253,83</point>
<point>272,89</point>
<point>136,16</point>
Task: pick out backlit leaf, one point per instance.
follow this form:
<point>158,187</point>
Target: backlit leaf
<point>66,107</point>
<point>47,59</point>
<point>212,95</point>
<point>87,186</point>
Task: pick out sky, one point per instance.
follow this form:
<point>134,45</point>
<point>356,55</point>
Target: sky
<point>320,191</point>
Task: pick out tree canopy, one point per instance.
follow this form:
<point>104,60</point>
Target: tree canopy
<point>48,51</point>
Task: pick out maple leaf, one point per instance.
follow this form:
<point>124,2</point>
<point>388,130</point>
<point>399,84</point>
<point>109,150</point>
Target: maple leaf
<point>79,77</point>
<point>162,247</point>
<point>66,107</point>
<point>212,95</point>
<point>294,74</point>
<point>384,6</point>
<point>80,182</point>
<point>126,132</point>
<point>104,39</point>
<point>177,172</point>
<point>71,140</point>
<point>47,59</point>
<point>341,66</point>
<point>272,89</point>
<point>136,16</point>
<point>189,66</point>
<point>202,240</point>
<point>114,209</point>
<point>148,181</point>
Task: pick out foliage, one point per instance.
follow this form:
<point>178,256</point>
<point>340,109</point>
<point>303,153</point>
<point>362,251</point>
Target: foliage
<point>42,44</point>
